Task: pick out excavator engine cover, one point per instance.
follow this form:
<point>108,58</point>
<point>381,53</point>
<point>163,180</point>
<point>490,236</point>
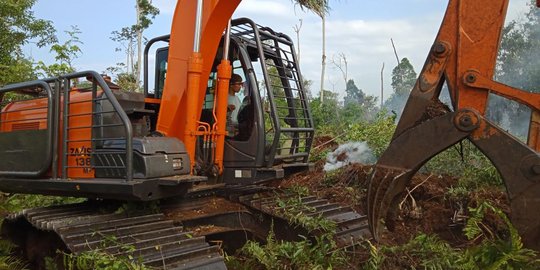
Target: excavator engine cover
<point>153,157</point>
<point>133,104</point>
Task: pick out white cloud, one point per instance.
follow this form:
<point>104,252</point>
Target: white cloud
<point>517,9</point>
<point>366,43</point>
<point>165,6</point>
<point>263,7</point>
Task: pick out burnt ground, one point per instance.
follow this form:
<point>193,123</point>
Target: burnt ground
<point>430,209</point>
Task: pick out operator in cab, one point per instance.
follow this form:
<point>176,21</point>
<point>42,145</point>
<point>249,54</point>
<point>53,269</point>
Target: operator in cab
<point>235,85</point>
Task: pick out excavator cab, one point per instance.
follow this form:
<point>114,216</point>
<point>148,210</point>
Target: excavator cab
<point>275,129</point>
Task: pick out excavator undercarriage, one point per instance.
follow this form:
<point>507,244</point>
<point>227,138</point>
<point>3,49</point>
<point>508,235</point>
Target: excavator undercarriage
<point>191,233</point>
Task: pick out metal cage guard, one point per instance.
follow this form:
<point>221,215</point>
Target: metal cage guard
<point>290,113</point>
<point>58,105</point>
<point>97,80</point>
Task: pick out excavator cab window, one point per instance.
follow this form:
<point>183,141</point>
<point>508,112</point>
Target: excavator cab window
<point>245,113</point>
<point>161,71</point>
<point>242,130</point>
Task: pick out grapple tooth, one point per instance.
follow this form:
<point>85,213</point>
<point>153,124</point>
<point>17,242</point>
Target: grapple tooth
<point>383,195</point>
<point>377,180</point>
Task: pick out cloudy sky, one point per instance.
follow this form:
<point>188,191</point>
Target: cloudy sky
<point>359,29</point>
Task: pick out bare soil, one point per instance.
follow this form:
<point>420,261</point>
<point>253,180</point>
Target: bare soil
<point>429,208</point>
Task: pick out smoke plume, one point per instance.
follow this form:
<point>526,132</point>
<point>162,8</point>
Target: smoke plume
<point>348,153</point>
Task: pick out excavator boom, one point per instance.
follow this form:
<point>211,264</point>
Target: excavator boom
<point>183,92</point>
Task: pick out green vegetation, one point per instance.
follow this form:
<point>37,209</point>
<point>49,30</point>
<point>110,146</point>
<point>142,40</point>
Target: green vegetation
<point>17,202</point>
<point>430,252</point>
<point>6,260</point>
<point>297,212</point>
<point>356,119</point>
<point>495,252</point>
<point>305,254</point>
<point>93,259</point>
<point>376,134</point>
<point>18,27</point>
<point>65,53</point>
<point>130,38</point>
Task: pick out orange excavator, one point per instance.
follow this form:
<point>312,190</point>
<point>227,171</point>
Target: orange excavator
<point>176,144</point>
<point>464,57</point>
<point>79,135</point>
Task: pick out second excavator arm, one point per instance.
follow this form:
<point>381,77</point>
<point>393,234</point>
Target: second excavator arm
<point>464,56</point>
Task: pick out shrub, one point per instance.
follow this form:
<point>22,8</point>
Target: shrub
<point>7,261</point>
<point>465,161</point>
<point>376,134</point>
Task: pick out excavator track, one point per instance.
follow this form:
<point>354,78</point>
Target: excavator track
<point>351,227</point>
<point>153,240</point>
<point>173,239</point>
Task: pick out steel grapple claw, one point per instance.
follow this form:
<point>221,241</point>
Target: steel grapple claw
<point>402,159</point>
<point>464,58</point>
<point>385,189</point>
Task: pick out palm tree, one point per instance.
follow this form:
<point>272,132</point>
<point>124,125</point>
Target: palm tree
<point>320,8</point>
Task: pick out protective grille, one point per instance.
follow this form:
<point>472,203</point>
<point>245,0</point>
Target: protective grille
<point>290,123</point>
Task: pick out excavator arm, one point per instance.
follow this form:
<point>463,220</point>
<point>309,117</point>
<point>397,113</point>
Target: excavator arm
<point>216,14</point>
<point>189,66</point>
<point>464,56</point>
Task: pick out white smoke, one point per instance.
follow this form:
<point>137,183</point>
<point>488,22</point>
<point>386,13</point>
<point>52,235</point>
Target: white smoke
<point>348,153</point>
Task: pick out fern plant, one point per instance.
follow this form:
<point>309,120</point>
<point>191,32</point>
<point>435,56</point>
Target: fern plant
<point>376,258</point>
<point>495,252</point>
<point>306,254</point>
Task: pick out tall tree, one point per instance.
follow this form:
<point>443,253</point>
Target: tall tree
<point>341,63</point>
<point>126,38</point>
<point>320,8</point>
<point>327,113</point>
<point>403,77</point>
<point>354,94</point>
<point>518,62</point>
<point>19,26</point>
<point>403,80</point>
<point>145,13</point>
<point>297,28</point>
<point>131,37</point>
<point>358,106</point>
